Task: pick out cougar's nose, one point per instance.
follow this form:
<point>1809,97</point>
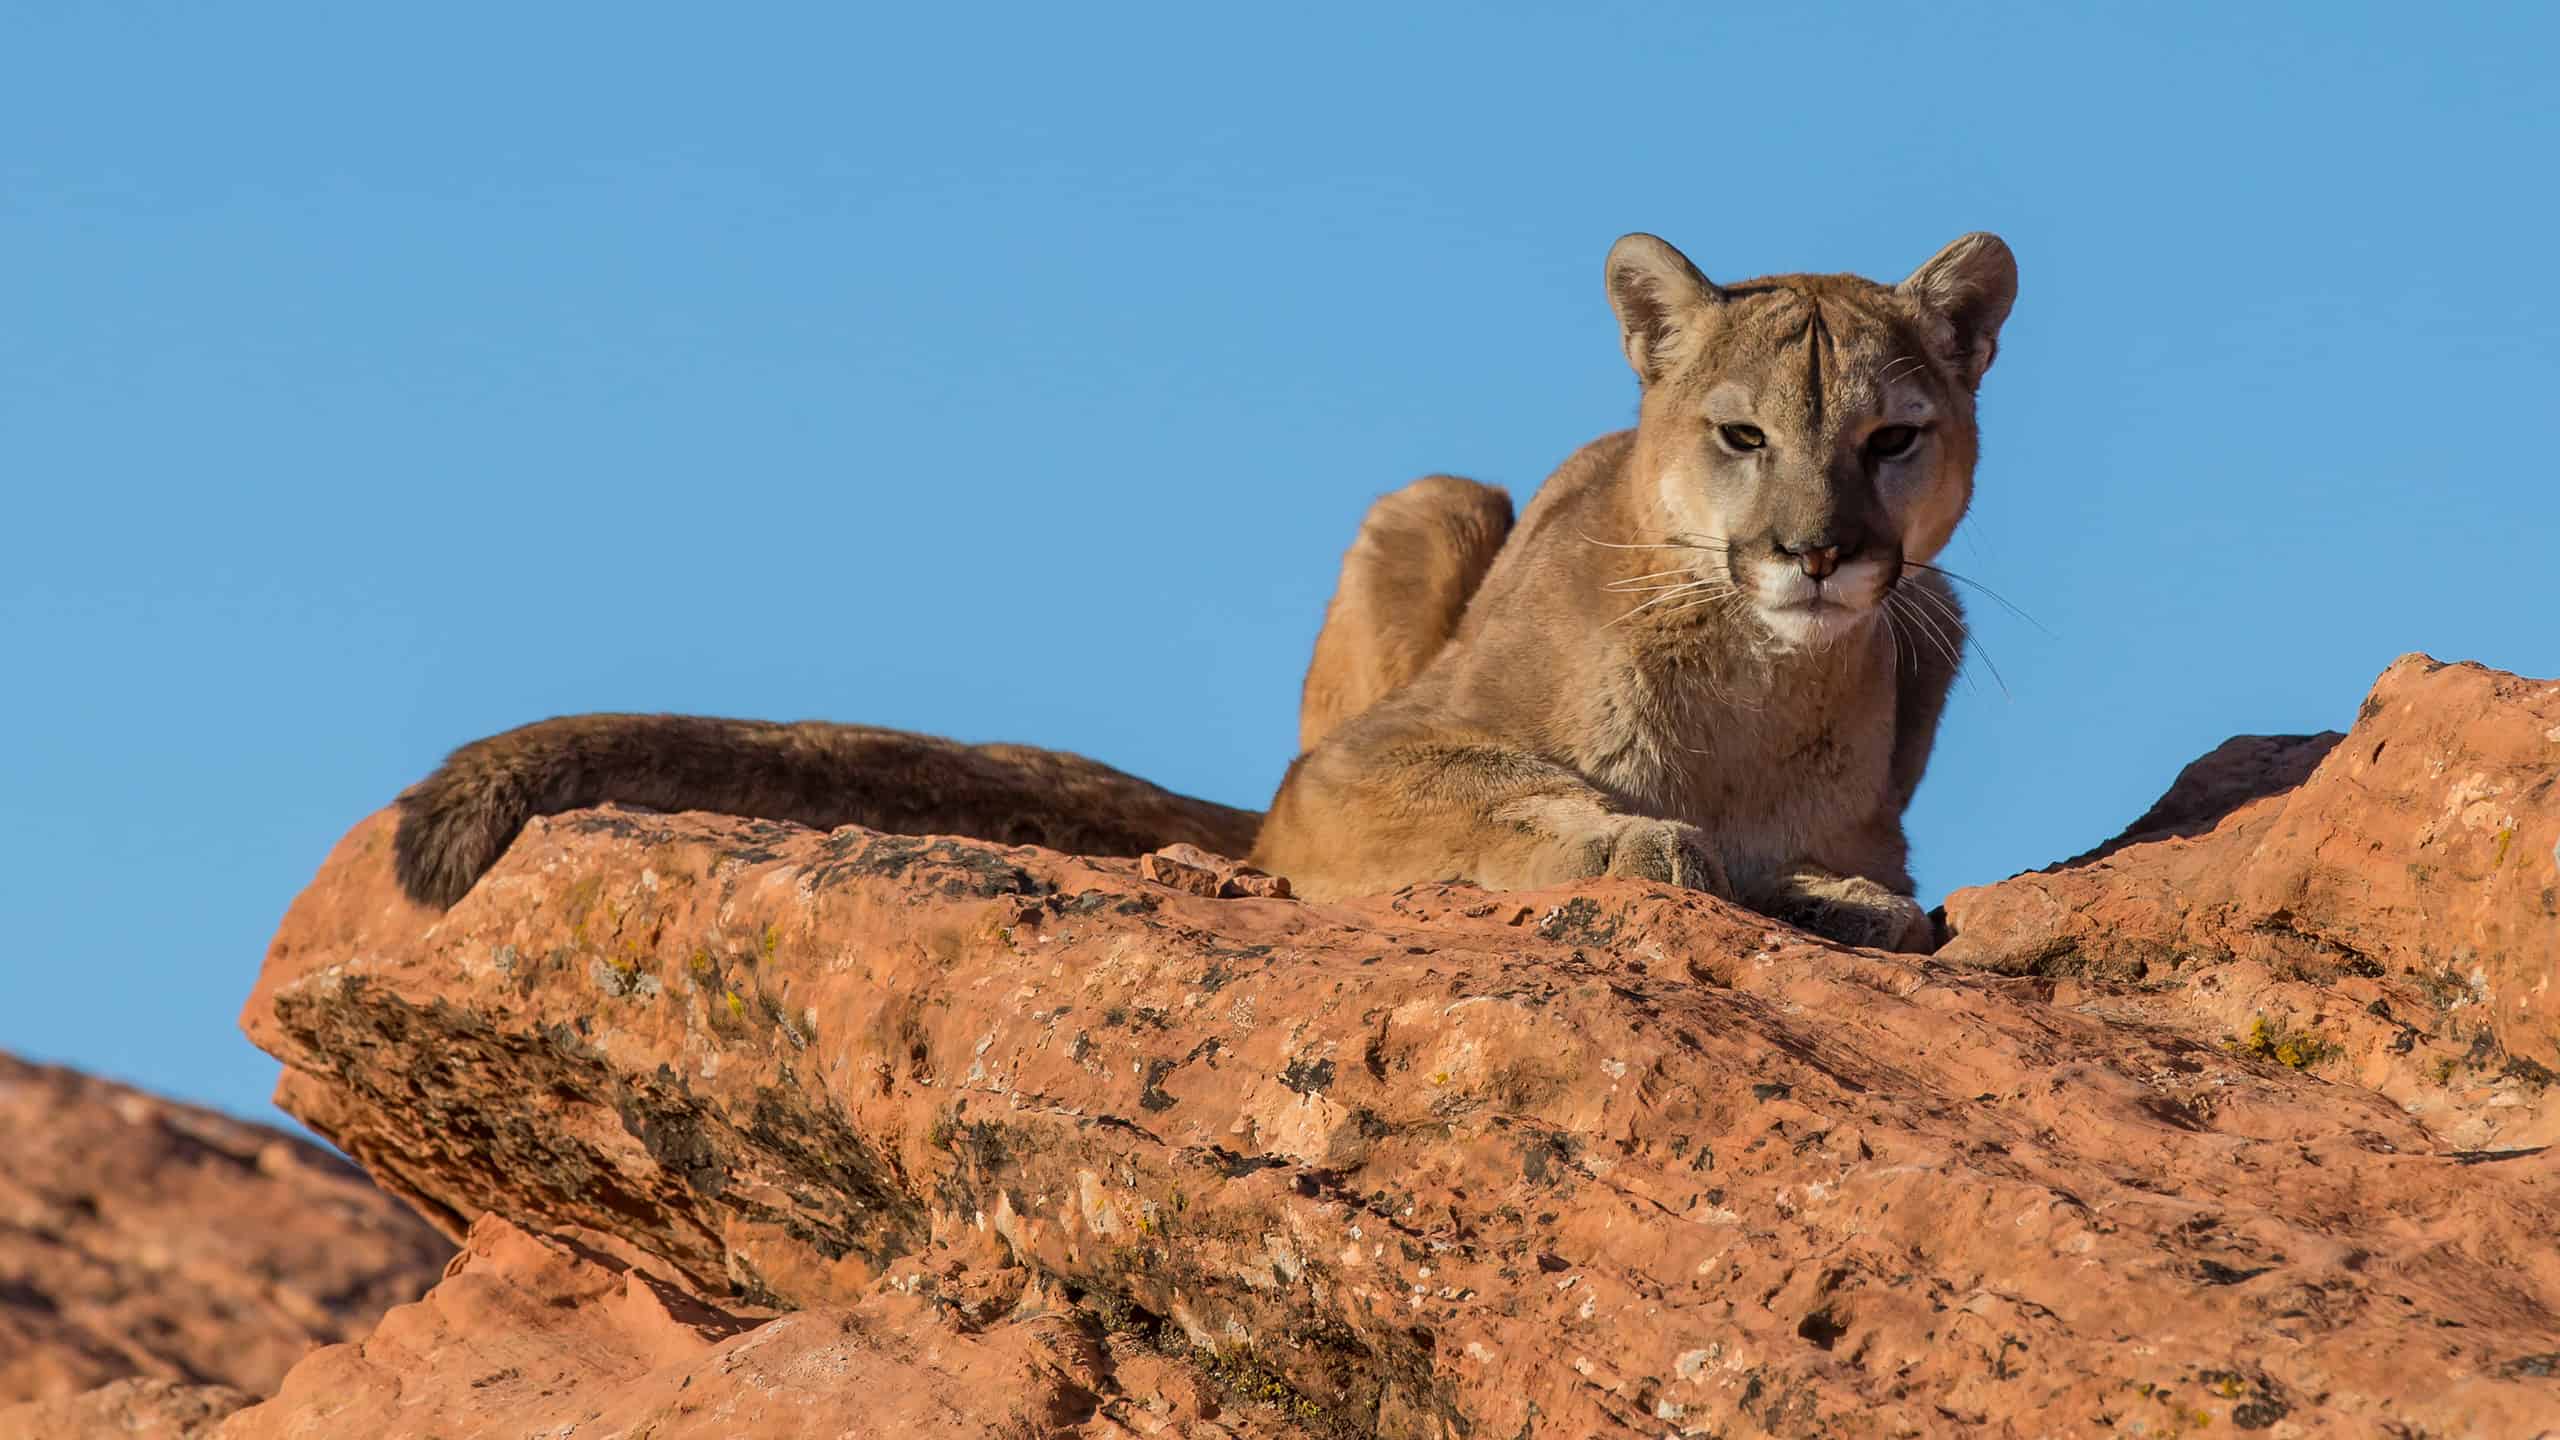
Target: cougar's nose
<point>1822,554</point>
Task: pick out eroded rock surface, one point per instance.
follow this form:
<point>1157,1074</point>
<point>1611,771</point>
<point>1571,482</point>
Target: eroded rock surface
<point>2392,921</point>
<point>129,1409</point>
<point>548,1336</point>
<point>142,1237</point>
<point>1607,1161</point>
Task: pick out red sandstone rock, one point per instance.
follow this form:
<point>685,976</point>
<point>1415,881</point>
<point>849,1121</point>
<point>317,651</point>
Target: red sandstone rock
<point>129,1409</point>
<point>142,1237</point>
<point>2393,922</point>
<point>1246,883</point>
<point>1179,874</point>
<point>535,1336</point>
<point>1195,871</point>
<point>1603,1161</point>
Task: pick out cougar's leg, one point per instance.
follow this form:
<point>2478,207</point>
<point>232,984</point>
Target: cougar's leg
<point>1406,579</point>
<point>1392,799</point>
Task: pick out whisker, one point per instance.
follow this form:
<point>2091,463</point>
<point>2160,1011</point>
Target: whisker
<point>1629,587</point>
<point>1948,631</point>
<point>1985,589</point>
<point>1935,604</point>
<point>1722,612</point>
<point>1700,592</point>
<point>1719,598</point>
<point>1927,625</point>
<point>1695,598</point>
<point>1674,544</point>
<point>1943,606</point>
<point>1674,577</point>
<point>1893,632</point>
<point>1971,641</point>
<point>1996,677</point>
<point>1673,594</point>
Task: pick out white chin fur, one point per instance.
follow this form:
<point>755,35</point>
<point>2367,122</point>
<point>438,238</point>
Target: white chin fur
<point>1848,603</point>
<point>1807,627</point>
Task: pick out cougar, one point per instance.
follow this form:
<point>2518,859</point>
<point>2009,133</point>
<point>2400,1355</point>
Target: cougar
<point>1713,653</point>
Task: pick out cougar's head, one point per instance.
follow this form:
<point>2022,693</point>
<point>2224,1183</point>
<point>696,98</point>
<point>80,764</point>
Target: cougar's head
<point>1814,433</point>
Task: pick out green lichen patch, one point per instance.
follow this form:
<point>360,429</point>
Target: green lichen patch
<point>579,902</point>
<point>2298,1049</point>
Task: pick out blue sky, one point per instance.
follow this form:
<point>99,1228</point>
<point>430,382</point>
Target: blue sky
<point>372,378</point>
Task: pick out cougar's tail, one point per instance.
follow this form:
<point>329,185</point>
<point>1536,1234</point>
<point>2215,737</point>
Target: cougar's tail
<point>1406,580</point>
<point>457,822</point>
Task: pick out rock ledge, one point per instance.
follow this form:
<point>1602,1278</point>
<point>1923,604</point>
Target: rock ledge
<point>1082,1153</point>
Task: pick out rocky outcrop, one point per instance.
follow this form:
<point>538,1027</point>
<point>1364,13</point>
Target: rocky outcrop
<point>1071,1148</point>
<point>2232,774</point>
<point>144,1238</point>
<point>2391,920</point>
<point>129,1409</point>
<point>548,1335</point>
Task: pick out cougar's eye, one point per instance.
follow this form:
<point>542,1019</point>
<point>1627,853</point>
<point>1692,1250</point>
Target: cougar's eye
<point>1741,437</point>
<point>1893,441</point>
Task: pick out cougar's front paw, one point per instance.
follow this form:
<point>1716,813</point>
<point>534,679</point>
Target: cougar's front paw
<point>1638,848</point>
<point>1857,911</point>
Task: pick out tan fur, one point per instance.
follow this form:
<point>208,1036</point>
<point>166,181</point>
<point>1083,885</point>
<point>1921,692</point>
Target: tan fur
<point>1419,556</point>
<point>1758,733</point>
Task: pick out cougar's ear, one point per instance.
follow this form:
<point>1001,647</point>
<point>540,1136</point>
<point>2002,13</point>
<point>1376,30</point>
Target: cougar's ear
<point>1658,295</point>
<point>1972,283</point>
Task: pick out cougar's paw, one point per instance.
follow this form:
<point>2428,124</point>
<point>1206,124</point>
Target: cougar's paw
<point>1857,911</point>
<point>1638,848</point>
<point>453,826</point>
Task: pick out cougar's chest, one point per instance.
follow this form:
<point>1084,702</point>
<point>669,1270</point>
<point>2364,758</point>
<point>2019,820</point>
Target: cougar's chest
<point>1772,758</point>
